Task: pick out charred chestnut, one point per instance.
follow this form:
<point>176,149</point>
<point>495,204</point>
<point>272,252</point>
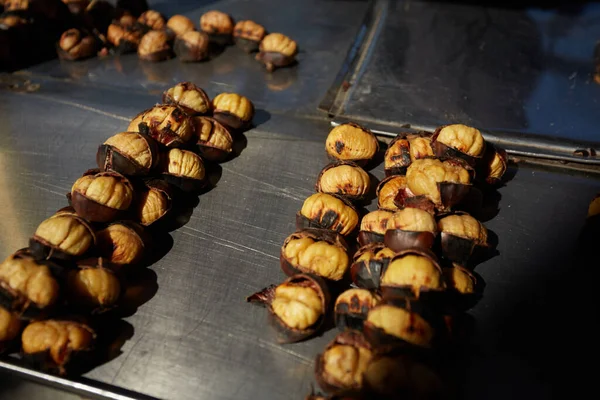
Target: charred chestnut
<point>178,25</point>
<point>397,156</point>
<point>154,46</point>
<point>76,45</point>
<point>343,178</point>
<point>352,306</point>
<point>460,234</point>
<point>351,142</point>
<point>319,252</point>
<point>214,140</point>
<point>327,212</point>
<point>125,39</point>
<point>128,153</point>
<point>10,326</point>
<point>233,110</point>
<point>154,203</point>
<point>192,46</point>
<point>52,344</point>
<point>297,307</point>
<point>218,26</point>
<point>461,287</point>
<point>248,35</point>
<point>152,20</point>
<point>189,97</point>
<point>458,141</point>
<point>341,367</point>
<point>391,325</point>
<point>184,169</point>
<point>494,164</point>
<point>387,190</point>
<point>101,196</point>
<point>92,288</point>
<point>276,51</point>
<point>63,236</point>
<point>368,265</point>
<point>410,227</point>
<point>122,243</point>
<point>168,125</point>
<point>373,227</point>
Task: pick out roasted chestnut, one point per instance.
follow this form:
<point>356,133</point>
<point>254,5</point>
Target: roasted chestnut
<point>343,178</point>
<point>26,286</point>
<point>373,227</point>
<point>125,39</point>
<point>189,97</point>
<point>154,46</point>
<point>460,233</point>
<point>126,20</point>
<point>184,169</point>
<point>191,46</point>
<point>351,142</point>
<point>368,264</point>
<point>352,306</point>
<point>458,141</point>
<point>154,203</point>
<point>168,125</point>
<point>128,153</point>
<point>276,51</point>
<point>52,345</point>
<point>135,7</point>
<point>420,146</point>
<point>63,236</point>
<point>152,20</point>
<point>341,367</point>
<point>10,20</point>
<point>76,45</point>
<point>101,196</point>
<point>218,26</point>
<point>92,287</point>
<point>494,164</point>
<point>413,274</point>
<point>391,325</point>
<point>327,211</point>
<point>315,251</point>
<point>387,190</point>
<point>214,140</point>
<point>410,227</point>
<point>10,326</point>
<point>404,149</point>
<point>461,287</point>
<point>233,110</point>
<point>594,207</point>
<point>178,25</point>
<point>122,243</point>
<point>248,35</point>
<point>297,307</point>
<point>77,6</point>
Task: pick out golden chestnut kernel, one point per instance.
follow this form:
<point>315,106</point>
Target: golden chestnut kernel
<point>279,43</point>
<point>420,147</point>
<point>216,22</point>
<point>376,255</point>
<point>497,166</point>
<point>168,125</point>
<point>188,96</point>
<point>464,226</point>
<point>463,138</point>
<point>330,213</point>
<point>397,154</point>
<point>59,338</point>
<point>402,324</point>
<point>180,24</point>
<point>153,205</point>
<point>387,191</point>
<point>412,219</point>
<point>96,287</point>
<point>376,221</point>
<point>346,364</point>
<point>460,280</point>
<point>351,142</point>
<point>67,233</point>
<point>152,43</point>
<point>152,19</point>
<point>344,179</point>
<point>136,121</point>
<point>127,20</point>
<point>10,325</point>
<point>234,104</point>
<point>357,300</point>
<point>120,244</point>
<point>117,34</point>
<point>74,45</point>
<point>29,279</point>
<point>249,30</point>
<point>184,163</point>
<point>297,306</point>
<point>412,270</point>
<point>134,146</point>
<point>212,133</point>
<point>107,189</point>
<point>594,208</point>
<point>423,177</point>
<point>319,257</point>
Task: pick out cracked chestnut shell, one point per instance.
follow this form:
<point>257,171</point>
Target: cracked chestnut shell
<point>460,233</point>
<point>462,288</point>
<point>152,20</point>
<point>189,97</point>
<point>458,141</point>
<point>404,149</point>
<point>388,189</point>
<point>390,325</point>
<point>128,153</point>
<point>168,125</point>
<point>351,142</point>
<point>154,203</point>
<point>373,226</point>
<point>178,25</point>
<point>341,366</point>
<point>154,46</point>
<point>297,307</point>
<point>368,264</point>
<point>10,327</point>
<point>352,306</point>
<point>63,236</point>
<point>92,287</point>
<point>125,39</point>
<point>327,211</point>
<point>276,51</point>
<point>55,345</point>
<point>192,46</point>
<point>248,35</point>
<point>101,196</point>
<point>76,45</point>
<point>493,165</point>
<point>343,178</point>
<point>184,169</point>
<point>233,110</point>
<point>409,228</point>
<point>218,26</point>
<point>122,243</point>
<point>315,251</point>
<point>215,142</point>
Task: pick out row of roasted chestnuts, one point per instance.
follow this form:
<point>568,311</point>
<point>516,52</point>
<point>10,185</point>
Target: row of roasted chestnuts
<point>80,260</point>
<point>411,274</point>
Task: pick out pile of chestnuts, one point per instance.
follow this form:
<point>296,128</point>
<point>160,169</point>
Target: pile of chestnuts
<point>80,260</point>
<point>399,300</point>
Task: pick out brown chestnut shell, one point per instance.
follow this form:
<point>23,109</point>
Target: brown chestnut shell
<point>399,240</point>
<point>110,158</point>
<point>273,60</point>
<point>485,171</point>
<point>367,274</point>
<point>444,151</point>
<point>192,47</point>
<point>352,306</point>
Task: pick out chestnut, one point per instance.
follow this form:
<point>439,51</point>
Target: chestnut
<point>343,178</point>
<point>233,110</point>
<point>10,20</point>
<point>248,35</point>
<point>168,125</point>
<point>341,367</point>
<point>92,287</point>
<point>351,142</point>
<point>152,20</point>
<point>154,46</point>
<point>390,325</point>
<point>297,307</point>
<point>404,149</point>
<point>128,153</point>
<point>63,236</point>
<point>494,164</point>
<point>76,45</point>
<point>387,190</point>
<point>122,243</point>
<point>218,26</point>
<point>77,7</point>
<point>373,227</point>
<point>315,251</point>
<point>594,207</point>
<point>276,51</point>
<point>184,169</point>
<point>189,97</point>
<point>352,306</point>
<point>368,264</point>
<point>101,196</point>
<point>52,345</point>
<point>460,233</point>
<point>215,143</point>
<point>410,227</point>
<point>458,141</point>
<point>125,39</point>
<point>126,20</point>
<point>10,327</point>
<point>327,211</point>
<point>192,46</point>
<point>178,25</point>
<point>462,288</point>
<point>154,202</point>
